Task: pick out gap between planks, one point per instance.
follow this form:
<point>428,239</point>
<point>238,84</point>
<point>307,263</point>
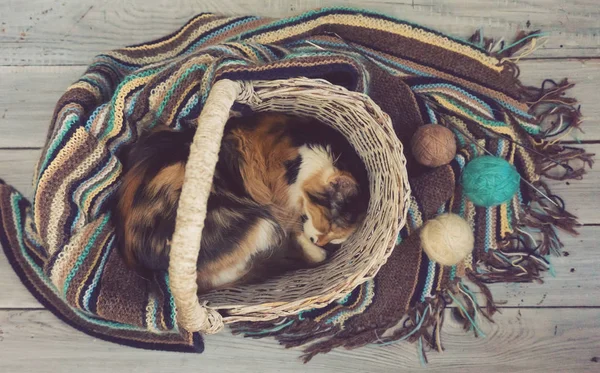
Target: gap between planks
<point>48,32</point>
<point>28,96</point>
<point>580,196</point>
<point>527,340</point>
<point>576,283</point>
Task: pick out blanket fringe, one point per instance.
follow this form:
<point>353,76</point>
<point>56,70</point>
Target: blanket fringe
<point>520,257</point>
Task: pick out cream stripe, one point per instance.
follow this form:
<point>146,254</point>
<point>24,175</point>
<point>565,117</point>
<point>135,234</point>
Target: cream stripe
<point>180,46</point>
<point>59,204</point>
<point>450,106</point>
<point>181,32</point>
<point>97,189</point>
<point>51,170</point>
<point>119,104</point>
<point>380,25</point>
<point>150,313</point>
<point>159,93</point>
<point>88,87</point>
<point>58,275</point>
<point>99,122</point>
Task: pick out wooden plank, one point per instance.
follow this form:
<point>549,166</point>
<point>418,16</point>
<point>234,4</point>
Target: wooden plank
<point>576,281</point>
<point>44,32</point>
<point>586,76</point>
<point>568,288</point>
<point>28,95</point>
<point>27,99</point>
<point>580,196</point>
<point>528,340</point>
<point>14,293</point>
<point>16,168</point>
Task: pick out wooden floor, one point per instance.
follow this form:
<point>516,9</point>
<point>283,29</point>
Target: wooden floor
<point>554,327</point>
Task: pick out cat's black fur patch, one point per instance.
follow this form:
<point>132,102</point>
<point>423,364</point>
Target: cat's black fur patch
<point>292,169</point>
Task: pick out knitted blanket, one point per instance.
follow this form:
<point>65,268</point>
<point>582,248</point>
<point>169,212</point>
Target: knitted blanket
<point>62,243</point>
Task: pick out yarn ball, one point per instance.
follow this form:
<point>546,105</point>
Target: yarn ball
<point>490,181</point>
<point>447,239</point>
<point>433,145</point>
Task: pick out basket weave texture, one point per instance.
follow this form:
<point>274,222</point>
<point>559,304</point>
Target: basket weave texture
<point>367,128</point>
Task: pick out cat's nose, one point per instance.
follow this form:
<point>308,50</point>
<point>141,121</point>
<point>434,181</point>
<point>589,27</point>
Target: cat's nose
<point>322,241</point>
<point>313,240</point>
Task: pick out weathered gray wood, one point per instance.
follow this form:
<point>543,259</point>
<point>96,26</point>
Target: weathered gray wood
<point>43,32</point>
<point>16,169</point>
<point>49,32</point>
<point>577,281</point>
<point>580,196</point>
<point>586,76</point>
<point>28,95</point>
<point>13,294</point>
<point>27,99</point>
<point>528,340</point>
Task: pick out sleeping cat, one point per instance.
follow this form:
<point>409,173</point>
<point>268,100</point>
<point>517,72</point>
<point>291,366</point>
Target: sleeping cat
<point>283,188</point>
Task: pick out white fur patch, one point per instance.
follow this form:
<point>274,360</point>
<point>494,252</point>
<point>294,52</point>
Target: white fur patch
<point>309,229</point>
<point>314,159</point>
<point>230,275</point>
<point>265,232</point>
<point>265,236</point>
<point>339,241</point>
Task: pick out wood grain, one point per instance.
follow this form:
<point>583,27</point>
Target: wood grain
<point>46,32</point>
<point>527,340</point>
<point>16,167</point>
<point>38,35</point>
<point>576,281</point>
<point>28,95</point>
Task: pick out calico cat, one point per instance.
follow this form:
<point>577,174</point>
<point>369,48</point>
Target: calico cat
<point>284,187</point>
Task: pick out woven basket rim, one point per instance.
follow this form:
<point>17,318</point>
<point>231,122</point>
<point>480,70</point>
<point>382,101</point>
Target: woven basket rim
<point>368,129</point>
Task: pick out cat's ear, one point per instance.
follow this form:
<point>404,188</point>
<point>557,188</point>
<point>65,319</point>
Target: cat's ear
<point>340,189</point>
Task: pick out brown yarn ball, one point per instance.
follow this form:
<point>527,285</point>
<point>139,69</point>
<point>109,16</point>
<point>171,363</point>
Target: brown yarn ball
<point>433,145</point>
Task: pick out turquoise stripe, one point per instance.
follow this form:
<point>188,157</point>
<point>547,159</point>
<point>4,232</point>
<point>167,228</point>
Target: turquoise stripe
<point>88,124</point>
<point>84,254</point>
<point>217,32</point>
<point>99,270</point>
<point>377,57</point>
<point>91,188</point>
<point>453,87</point>
<point>172,303</point>
<point>127,80</point>
<point>15,198</point>
<point>367,290</point>
<point>429,281</point>
<point>57,140</point>
<point>163,104</point>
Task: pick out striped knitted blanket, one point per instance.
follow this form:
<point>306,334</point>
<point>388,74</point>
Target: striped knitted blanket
<point>62,244</point>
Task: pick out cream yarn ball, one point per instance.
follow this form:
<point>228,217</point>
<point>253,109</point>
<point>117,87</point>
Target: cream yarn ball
<point>447,239</point>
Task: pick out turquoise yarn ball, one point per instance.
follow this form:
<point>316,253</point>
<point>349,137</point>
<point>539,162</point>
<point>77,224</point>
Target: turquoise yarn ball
<point>490,181</point>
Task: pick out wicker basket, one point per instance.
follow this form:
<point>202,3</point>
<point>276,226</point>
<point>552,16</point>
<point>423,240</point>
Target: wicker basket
<point>366,127</point>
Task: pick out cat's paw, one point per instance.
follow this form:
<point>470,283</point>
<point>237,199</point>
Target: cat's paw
<point>313,253</point>
<point>316,254</point>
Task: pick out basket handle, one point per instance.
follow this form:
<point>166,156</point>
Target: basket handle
<point>185,244</point>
